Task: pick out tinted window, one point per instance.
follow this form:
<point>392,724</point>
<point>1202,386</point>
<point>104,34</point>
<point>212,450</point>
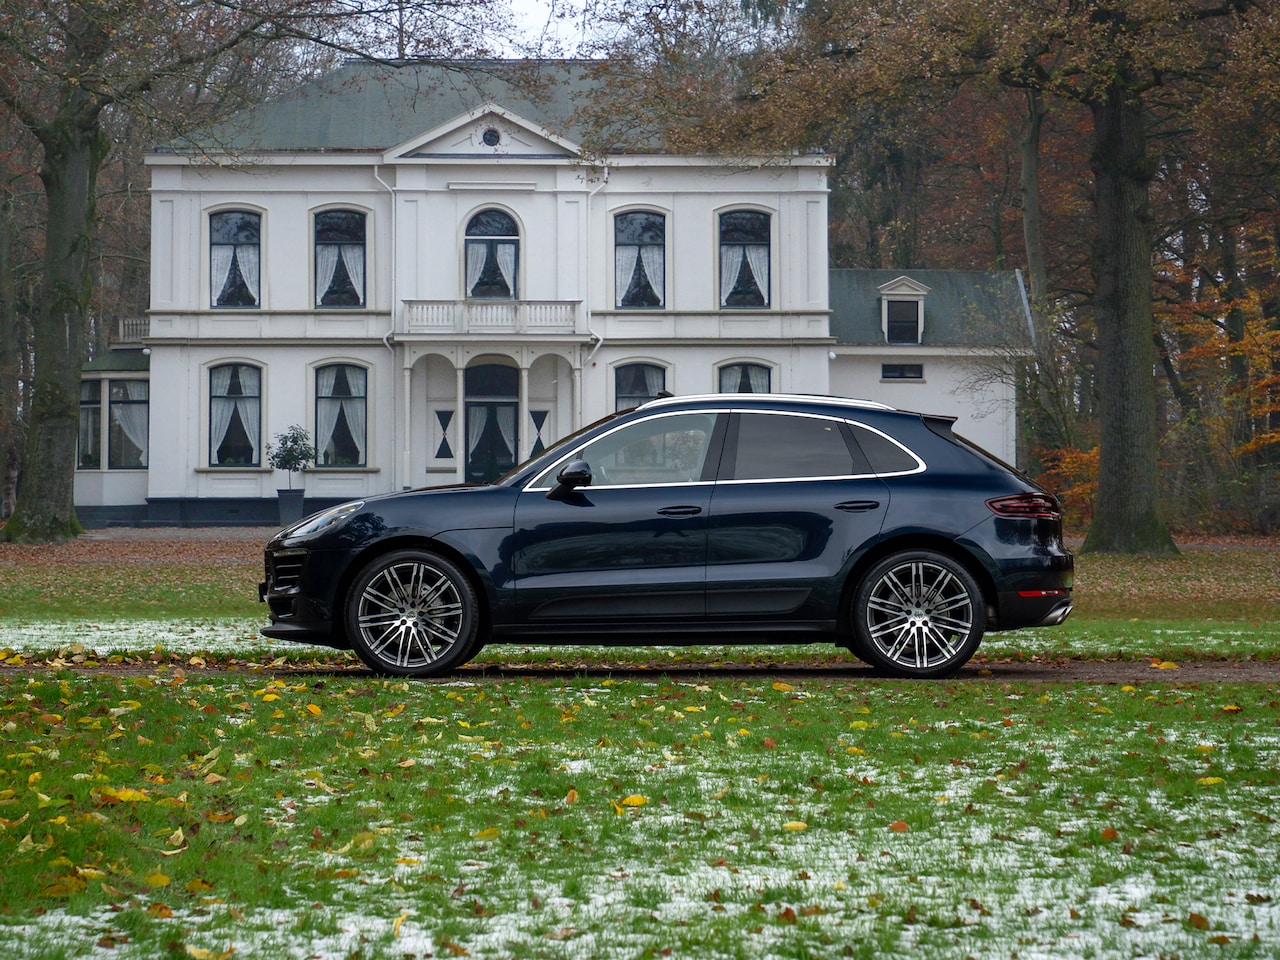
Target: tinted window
<point>660,450</point>
<point>773,446</point>
<point>884,455</point>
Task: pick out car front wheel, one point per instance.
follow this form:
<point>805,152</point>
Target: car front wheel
<point>412,614</point>
<point>918,614</point>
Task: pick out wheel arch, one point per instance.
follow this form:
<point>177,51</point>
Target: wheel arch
<point>410,542</point>
<point>914,541</point>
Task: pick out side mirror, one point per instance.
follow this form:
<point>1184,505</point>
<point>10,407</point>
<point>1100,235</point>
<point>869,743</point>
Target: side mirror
<point>576,473</point>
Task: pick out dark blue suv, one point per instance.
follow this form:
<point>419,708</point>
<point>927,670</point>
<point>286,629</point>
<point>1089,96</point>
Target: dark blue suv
<point>736,518</point>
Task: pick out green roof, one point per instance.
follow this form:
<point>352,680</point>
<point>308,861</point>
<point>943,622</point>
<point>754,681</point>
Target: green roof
<point>963,308</point>
<point>119,361</point>
<point>370,107</point>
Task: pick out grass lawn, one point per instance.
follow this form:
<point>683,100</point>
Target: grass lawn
<point>159,811</point>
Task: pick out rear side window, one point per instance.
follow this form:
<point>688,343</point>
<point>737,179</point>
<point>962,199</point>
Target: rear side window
<point>779,447</point>
<point>883,454</point>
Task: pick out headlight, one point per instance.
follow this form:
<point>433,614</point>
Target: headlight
<point>310,526</point>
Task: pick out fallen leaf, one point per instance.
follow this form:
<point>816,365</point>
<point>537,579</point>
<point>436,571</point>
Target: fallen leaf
<point>635,800</point>
<point>795,825</point>
<point>899,826</point>
<point>1198,921</point>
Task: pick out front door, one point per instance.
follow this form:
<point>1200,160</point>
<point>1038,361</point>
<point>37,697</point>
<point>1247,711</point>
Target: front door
<point>491,439</point>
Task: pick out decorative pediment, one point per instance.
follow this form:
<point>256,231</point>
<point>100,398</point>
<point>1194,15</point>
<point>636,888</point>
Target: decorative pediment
<point>487,132</point>
<point>904,287</point>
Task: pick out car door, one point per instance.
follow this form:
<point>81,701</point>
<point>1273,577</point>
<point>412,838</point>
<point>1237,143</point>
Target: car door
<point>630,547</point>
<point>794,502</point>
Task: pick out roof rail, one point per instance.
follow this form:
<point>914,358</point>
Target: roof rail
<point>748,397</point>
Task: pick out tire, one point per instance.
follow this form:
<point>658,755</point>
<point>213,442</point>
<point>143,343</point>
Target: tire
<point>412,613</point>
<point>918,614</point>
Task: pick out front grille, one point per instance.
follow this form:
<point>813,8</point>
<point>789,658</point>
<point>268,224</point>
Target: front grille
<point>284,570</point>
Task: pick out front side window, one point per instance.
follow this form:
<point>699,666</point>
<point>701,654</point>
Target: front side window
<point>637,383</point>
<point>492,256</point>
<point>745,378</point>
<point>89,454</point>
<point>639,254</point>
<point>235,415</point>
<point>656,451</point>
<point>234,258</point>
<point>902,321</point>
<point>776,447</point>
<point>340,258</point>
<point>128,446</point>
<point>744,259</point>
<point>341,405</point>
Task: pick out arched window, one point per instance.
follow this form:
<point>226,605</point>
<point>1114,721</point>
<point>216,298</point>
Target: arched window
<point>235,415</point>
<point>340,259</point>
<point>341,415</point>
<point>637,383</point>
<point>235,238</point>
<point>745,378</point>
<point>744,259</point>
<point>492,256</point>
<point>639,259</point>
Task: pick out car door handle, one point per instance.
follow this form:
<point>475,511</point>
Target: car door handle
<point>689,511</point>
<point>858,506</point>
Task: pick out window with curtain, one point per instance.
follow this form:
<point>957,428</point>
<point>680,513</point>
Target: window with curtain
<point>89,453</point>
<point>639,259</point>
<point>235,415</point>
<point>235,258</point>
<point>492,253</point>
<point>637,383</point>
<point>744,259</point>
<point>340,258</point>
<point>902,321</point>
<point>745,378</point>
<point>128,446</point>
<point>341,421</point>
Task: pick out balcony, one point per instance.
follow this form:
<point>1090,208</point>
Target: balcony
<point>535,317</point>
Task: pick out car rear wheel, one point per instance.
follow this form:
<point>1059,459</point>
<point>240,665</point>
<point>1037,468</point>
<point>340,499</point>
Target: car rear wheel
<point>918,614</point>
<point>412,613</point>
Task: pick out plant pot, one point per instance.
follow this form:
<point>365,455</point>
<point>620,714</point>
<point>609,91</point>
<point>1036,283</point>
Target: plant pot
<point>290,504</point>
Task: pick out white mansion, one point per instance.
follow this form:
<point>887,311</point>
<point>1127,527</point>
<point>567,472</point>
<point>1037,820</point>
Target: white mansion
<point>418,265</point>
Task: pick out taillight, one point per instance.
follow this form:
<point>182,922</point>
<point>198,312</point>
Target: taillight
<point>1026,506</point>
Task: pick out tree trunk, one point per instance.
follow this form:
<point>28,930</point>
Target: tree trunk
<point>74,148</point>
<point>1126,518</point>
<point>9,347</point>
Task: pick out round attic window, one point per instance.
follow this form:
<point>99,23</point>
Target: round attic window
<point>491,137</point>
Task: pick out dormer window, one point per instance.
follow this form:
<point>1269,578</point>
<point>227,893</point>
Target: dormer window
<point>902,321</point>
<point>902,310</point>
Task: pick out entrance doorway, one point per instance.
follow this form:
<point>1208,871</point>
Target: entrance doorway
<point>492,417</point>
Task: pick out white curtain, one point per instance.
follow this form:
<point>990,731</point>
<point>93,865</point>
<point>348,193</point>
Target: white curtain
<point>354,407</point>
<point>759,378</point>
<point>730,263</point>
<point>353,260</point>
<point>507,265</point>
<point>477,253</point>
<point>654,379</point>
<point>476,419</point>
<point>326,265</point>
<point>757,255</point>
<point>507,426</point>
<point>134,417</point>
<point>247,406</point>
<point>220,409</point>
<point>327,408</point>
<point>248,257</point>
<point>624,265</point>
<point>653,258</point>
<point>221,256</point>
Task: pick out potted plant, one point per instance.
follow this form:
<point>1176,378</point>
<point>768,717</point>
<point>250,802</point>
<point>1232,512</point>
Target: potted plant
<point>293,453</point>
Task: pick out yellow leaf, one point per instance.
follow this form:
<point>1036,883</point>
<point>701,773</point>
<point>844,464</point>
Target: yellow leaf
<point>1163,665</point>
<point>314,710</point>
<point>157,879</point>
<point>488,833</point>
<point>782,687</point>
<point>571,797</point>
<point>1231,708</point>
<point>1209,781</point>
<point>160,911</point>
<point>795,825</point>
<point>398,922</point>
<point>198,885</point>
<point>635,800</point>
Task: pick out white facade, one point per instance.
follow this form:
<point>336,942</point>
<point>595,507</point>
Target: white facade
<point>442,379</point>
